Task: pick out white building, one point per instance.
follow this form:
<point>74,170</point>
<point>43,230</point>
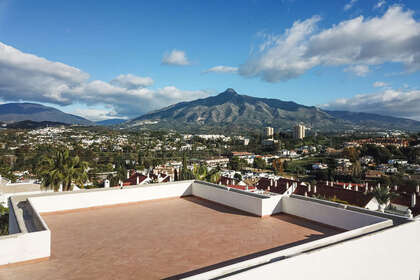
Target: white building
<point>268,131</point>
<point>299,132</point>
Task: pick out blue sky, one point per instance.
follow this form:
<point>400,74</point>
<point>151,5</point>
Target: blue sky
<point>109,48</point>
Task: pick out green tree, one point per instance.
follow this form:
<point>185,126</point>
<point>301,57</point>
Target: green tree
<point>4,220</point>
<point>383,195</point>
<point>213,176</point>
<point>235,163</point>
<point>63,170</point>
<point>200,172</point>
<point>186,174</point>
<point>238,176</point>
<point>259,163</point>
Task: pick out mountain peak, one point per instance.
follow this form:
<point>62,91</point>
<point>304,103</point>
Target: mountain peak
<point>230,92</point>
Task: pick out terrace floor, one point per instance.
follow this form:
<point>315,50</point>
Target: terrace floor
<point>170,238</point>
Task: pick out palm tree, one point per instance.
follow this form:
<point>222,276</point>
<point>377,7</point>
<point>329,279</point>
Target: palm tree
<point>62,170</point>
<point>200,172</point>
<point>383,196</point>
<point>213,176</point>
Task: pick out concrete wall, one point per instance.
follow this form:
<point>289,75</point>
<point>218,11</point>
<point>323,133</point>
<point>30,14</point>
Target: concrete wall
<point>223,196</point>
<point>94,198</point>
<point>24,247</point>
<point>388,254</point>
<point>21,245</point>
<point>326,214</point>
<point>272,205</point>
<point>13,224</point>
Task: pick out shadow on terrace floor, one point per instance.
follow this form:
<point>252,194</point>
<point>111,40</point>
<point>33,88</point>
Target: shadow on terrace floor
<point>309,238</point>
<point>217,206</point>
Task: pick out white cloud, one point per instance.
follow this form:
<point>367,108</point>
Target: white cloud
<point>175,57</point>
<point>221,69</point>
<point>94,114</point>
<point>349,5</point>
<point>393,37</point>
<point>380,4</point>
<point>358,70</point>
<point>380,84</point>
<point>132,82</point>
<point>27,77</point>
<point>388,102</point>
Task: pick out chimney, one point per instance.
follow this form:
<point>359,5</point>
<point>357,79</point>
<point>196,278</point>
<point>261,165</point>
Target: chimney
<point>138,180</point>
<point>413,199</point>
<point>409,213</point>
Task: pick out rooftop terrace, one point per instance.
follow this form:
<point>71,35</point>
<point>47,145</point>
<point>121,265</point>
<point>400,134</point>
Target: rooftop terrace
<point>193,230</point>
<point>160,239</point>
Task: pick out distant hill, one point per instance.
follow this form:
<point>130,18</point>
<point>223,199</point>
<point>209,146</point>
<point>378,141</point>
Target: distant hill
<point>111,122</point>
<point>230,111</point>
<point>16,112</point>
<point>374,120</point>
<point>33,125</point>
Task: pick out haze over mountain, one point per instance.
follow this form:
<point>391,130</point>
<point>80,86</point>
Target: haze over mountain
<point>111,122</point>
<point>16,112</point>
<point>230,111</point>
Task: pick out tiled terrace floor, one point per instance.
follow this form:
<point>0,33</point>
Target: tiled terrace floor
<point>170,238</point>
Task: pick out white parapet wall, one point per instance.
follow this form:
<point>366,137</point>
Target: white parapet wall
<point>23,245</point>
<point>393,253</point>
<point>222,195</point>
<point>326,214</point>
<point>105,197</point>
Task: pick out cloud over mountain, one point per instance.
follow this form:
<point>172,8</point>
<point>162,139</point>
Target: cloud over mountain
<point>31,78</point>
<point>221,69</point>
<point>393,37</point>
<point>388,102</point>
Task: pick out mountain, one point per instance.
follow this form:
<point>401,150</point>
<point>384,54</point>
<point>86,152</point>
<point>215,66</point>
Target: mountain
<point>232,112</point>
<point>374,120</point>
<point>111,122</point>
<point>15,112</point>
<point>33,125</point>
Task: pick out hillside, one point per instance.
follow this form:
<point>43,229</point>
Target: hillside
<point>111,122</point>
<point>16,112</point>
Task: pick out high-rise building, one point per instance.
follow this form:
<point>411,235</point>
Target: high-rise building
<point>299,131</point>
<point>269,131</point>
